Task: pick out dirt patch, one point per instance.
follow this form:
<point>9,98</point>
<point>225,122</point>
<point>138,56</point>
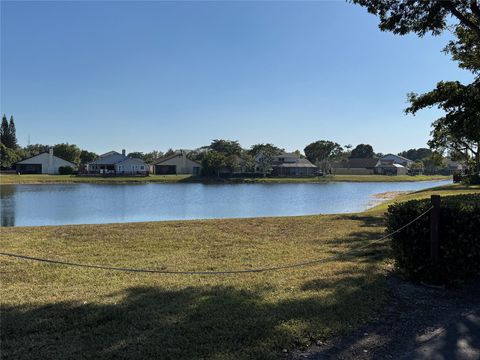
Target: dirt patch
<point>420,322</point>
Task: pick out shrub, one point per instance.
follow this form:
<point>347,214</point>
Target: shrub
<point>472,179</point>
<point>65,170</point>
<point>459,237</point>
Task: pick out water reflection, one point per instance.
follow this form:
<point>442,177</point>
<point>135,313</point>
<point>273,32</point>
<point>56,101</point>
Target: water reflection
<point>25,205</point>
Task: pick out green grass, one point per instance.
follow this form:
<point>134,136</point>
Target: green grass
<point>51,311</point>
<point>51,179</point>
<point>446,190</point>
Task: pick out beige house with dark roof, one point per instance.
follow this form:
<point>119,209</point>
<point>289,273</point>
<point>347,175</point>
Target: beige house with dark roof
<point>177,164</point>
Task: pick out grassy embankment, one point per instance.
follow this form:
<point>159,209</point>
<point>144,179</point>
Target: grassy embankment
<point>53,179</point>
<point>52,311</point>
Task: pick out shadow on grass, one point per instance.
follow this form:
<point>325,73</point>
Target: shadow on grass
<point>191,323</point>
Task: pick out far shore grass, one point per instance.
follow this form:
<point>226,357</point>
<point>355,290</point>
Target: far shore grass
<point>52,311</point>
<point>9,179</point>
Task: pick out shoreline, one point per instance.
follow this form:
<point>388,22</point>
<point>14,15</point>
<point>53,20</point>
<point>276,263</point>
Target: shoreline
<point>186,179</point>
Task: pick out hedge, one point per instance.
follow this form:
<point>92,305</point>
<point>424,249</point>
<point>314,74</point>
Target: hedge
<point>459,237</point>
<point>65,170</point>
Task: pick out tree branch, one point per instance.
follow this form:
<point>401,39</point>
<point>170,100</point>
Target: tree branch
<point>463,19</point>
<point>475,9</point>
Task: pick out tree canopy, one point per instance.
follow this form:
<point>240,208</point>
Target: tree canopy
<point>363,151</point>
<point>459,128</point>
<point>421,17</point>
<point>226,147</point>
<point>69,152</point>
<point>322,150</point>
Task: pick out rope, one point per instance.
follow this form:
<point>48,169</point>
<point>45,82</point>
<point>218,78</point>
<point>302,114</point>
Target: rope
<point>224,272</point>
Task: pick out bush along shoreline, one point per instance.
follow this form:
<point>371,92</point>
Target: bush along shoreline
<point>459,239</point>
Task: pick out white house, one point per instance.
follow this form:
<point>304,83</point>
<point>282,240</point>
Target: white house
<point>114,163</point>
<point>45,163</point>
<point>177,164</point>
<point>285,164</point>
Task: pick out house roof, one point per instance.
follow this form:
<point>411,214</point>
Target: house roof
<point>111,158</point>
<point>29,160</point>
<point>397,156</point>
<point>166,158</point>
<point>362,163</point>
<point>300,163</point>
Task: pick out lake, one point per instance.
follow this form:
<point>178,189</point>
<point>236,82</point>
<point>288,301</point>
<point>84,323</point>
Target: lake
<point>28,205</point>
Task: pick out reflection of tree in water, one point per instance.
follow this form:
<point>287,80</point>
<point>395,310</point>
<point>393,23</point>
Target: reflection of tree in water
<point>7,207</point>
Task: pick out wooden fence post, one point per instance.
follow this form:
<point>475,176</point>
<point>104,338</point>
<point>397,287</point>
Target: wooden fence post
<point>434,225</point>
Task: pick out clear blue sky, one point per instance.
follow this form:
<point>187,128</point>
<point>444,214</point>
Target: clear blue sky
<point>154,75</point>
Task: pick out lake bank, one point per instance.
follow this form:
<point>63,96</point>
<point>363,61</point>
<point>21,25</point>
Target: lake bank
<point>255,315</point>
<point>63,179</point>
<point>63,204</point>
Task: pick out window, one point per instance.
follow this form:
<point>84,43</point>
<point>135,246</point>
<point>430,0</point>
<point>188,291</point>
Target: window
<point>141,168</point>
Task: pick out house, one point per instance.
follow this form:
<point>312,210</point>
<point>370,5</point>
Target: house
<point>397,159</point>
<point>114,163</point>
<point>391,164</point>
<point>389,167</point>
<point>45,163</point>
<point>287,164</point>
<point>355,166</point>
<point>177,164</point>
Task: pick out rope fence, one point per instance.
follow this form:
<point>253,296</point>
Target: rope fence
<point>223,272</point>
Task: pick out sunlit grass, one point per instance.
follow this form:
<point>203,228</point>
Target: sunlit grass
<point>51,311</point>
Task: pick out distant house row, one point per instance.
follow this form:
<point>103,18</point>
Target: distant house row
<point>283,165</point>
<point>114,163</point>
<point>387,165</point>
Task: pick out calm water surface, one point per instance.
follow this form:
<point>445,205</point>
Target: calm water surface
<point>26,205</point>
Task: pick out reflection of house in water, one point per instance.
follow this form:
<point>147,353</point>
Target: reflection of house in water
<point>7,205</point>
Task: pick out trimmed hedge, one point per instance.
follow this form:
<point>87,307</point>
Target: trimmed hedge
<point>66,170</point>
<point>459,231</point>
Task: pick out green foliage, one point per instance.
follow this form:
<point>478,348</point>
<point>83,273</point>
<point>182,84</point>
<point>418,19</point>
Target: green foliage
<point>8,135</point>
<point>421,17</point>
<point>36,149</point>
<point>213,162</point>
<point>66,170</point>
<point>473,179</point>
<point>465,49</point>
<point>416,154</point>
<point>322,152</point>
<point>69,152</point>
<point>459,239</point>
<point>362,151</point>
<point>226,147</point>
<point>266,149</point>
<point>87,156</point>
<point>8,157</point>
<point>459,129</point>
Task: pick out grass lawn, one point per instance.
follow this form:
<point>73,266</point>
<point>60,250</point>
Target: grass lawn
<point>49,179</point>
<point>52,311</point>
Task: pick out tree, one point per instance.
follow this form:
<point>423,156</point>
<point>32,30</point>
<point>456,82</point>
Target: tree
<point>269,148</point>
<point>4,134</point>
<point>87,156</point>
<point>459,129</point>
<point>322,152</point>
<point>136,154</point>
<point>8,157</point>
<point>213,162</point>
<point>67,152</point>
<point>36,149</point>
<point>169,152</point>
<point>226,147</point>
<point>421,17</point>
<point>152,156</point>
<point>363,151</point>
<point>416,154</point>
<point>12,134</point>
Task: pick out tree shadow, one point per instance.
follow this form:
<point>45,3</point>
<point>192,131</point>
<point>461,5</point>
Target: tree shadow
<point>190,323</point>
<point>419,323</point>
